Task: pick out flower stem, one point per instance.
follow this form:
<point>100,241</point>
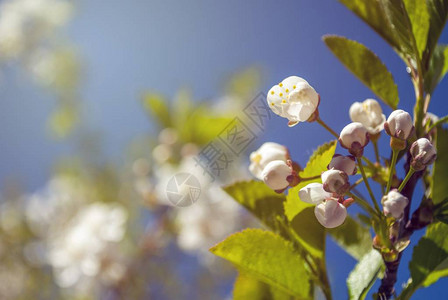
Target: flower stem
<point>377,153</point>
<point>361,168</point>
<point>440,121</point>
<point>405,180</point>
<point>392,169</point>
<point>309,178</point>
<point>319,120</point>
<point>363,203</point>
<point>356,183</point>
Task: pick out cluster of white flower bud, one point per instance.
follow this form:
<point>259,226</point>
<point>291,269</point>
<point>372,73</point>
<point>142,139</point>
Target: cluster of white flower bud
<point>271,163</point>
<point>297,101</point>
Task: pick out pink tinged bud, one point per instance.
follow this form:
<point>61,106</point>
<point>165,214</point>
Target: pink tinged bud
<point>354,137</point>
<point>335,181</point>
<point>313,193</point>
<point>276,174</point>
<point>293,99</point>
<point>265,154</point>
<point>369,114</point>
<point>330,213</point>
<point>394,204</point>
<point>399,124</point>
<point>423,154</point>
<point>342,163</point>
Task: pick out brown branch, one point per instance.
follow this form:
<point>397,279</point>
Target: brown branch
<point>387,290</point>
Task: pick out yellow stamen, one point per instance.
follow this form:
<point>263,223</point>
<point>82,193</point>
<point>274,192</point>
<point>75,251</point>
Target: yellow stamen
<point>280,84</point>
<point>272,93</point>
<point>272,103</point>
<point>287,90</point>
<point>281,94</point>
<point>284,101</point>
<point>256,158</point>
<point>293,86</point>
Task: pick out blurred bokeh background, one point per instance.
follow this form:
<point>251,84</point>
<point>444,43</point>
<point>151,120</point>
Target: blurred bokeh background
<point>102,101</point>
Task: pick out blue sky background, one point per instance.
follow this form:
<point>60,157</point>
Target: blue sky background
<point>129,47</point>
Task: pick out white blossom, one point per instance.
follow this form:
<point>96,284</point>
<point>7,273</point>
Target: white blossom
<point>86,247</point>
<point>394,204</point>
<point>276,174</point>
<point>314,193</point>
<point>346,164</point>
<point>423,154</point>
<point>265,154</point>
<point>294,99</point>
<point>369,114</point>
<point>354,137</point>
<point>26,22</point>
<point>330,213</point>
<point>399,124</point>
<point>335,181</point>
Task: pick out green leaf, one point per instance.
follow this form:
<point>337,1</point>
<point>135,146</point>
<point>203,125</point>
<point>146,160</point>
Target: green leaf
<point>372,14</point>
<point>364,275</point>
<point>317,163</point>
<point>352,237</point>
<point>319,160</point>
<point>438,12</point>
<point>439,186</point>
<point>157,107</point>
<point>419,17</point>
<point>267,257</point>
<point>365,65</point>
<point>400,25</point>
<point>247,287</point>
<point>308,231</point>
<point>260,200</point>
<point>429,259</point>
<point>438,66</point>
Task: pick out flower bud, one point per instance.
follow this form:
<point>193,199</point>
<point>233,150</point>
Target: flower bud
<point>342,163</point>
<point>369,114</point>
<point>354,137</point>
<point>423,154</point>
<point>394,204</point>
<point>399,124</point>
<point>313,193</point>
<point>276,174</point>
<point>294,99</point>
<point>265,154</point>
<point>330,213</point>
<point>335,181</point>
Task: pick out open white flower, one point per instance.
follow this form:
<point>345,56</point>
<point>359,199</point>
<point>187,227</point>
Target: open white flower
<point>354,137</point>
<point>394,204</point>
<point>265,154</point>
<point>423,154</point>
<point>294,99</point>
<point>399,124</point>
<point>329,212</point>
<point>369,114</point>
<point>276,174</point>
<point>343,163</point>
